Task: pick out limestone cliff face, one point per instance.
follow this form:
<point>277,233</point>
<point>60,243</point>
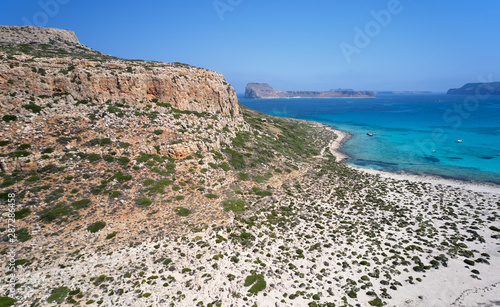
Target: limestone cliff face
<point>193,89</point>
<point>25,35</point>
<point>183,86</point>
<point>265,91</point>
<point>47,77</point>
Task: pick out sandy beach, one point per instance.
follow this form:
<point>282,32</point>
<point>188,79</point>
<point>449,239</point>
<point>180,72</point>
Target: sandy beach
<point>343,136</point>
<point>443,285</point>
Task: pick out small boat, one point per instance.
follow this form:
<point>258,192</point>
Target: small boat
<point>459,141</point>
<point>370,134</point>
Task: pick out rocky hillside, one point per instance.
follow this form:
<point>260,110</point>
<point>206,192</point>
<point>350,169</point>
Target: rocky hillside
<point>265,91</point>
<point>100,153</point>
<point>35,35</point>
<point>88,138</point>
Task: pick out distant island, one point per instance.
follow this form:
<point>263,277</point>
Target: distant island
<point>265,91</point>
<point>493,88</point>
<point>402,92</point>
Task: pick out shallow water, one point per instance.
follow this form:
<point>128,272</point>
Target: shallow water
<point>412,133</point>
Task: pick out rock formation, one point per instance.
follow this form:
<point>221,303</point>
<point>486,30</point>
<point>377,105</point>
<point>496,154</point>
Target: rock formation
<point>265,91</point>
<point>84,75</point>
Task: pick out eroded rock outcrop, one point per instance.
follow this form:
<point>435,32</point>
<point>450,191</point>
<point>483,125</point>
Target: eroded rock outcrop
<point>87,76</point>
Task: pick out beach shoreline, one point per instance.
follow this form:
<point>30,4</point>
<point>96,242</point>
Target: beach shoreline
<point>343,136</point>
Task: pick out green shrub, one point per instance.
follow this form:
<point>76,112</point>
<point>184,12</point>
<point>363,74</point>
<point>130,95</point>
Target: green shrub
<point>115,194</point>
<point>235,205</point>
<point>19,154</point>
<point>32,107</point>
<point>50,214</point>
<point>376,302</point>
<point>236,159</point>
<point>120,177</point>
<point>225,166</point>
<point>469,262</point>
<point>105,141</point>
<point>24,146</point>
<point>94,157</point>
<point>95,227</point>
<point>243,176</point>
<point>123,161</point>
<point>158,132</point>
<point>24,212</point>
<point>257,281</point>
<point>23,234</point>
<point>179,197</point>
<point>83,203</point>
<point>108,158</point>
<point>212,165</point>
<point>6,301</point>
<point>111,235</point>
<point>181,211</point>
<point>9,118</point>
<point>211,196</point>
<point>148,182</point>
<point>259,179</point>
<point>143,201</point>
<point>58,295</point>
<point>33,178</point>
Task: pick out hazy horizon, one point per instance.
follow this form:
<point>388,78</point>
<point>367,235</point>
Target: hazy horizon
<point>385,45</point>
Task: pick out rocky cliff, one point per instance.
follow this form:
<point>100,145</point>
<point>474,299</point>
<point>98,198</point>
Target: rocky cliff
<point>86,75</point>
<point>265,91</point>
<point>486,88</point>
<point>11,35</point>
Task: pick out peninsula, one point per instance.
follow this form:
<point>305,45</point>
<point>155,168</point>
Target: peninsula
<point>265,91</point>
<point>484,88</point>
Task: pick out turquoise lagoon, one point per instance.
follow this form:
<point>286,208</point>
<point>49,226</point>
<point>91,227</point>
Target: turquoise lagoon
<point>452,136</point>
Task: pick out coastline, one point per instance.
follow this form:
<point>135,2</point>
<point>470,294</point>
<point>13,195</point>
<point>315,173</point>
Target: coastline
<point>344,136</point>
<point>451,285</point>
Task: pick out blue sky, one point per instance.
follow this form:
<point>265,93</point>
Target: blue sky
<point>292,44</point>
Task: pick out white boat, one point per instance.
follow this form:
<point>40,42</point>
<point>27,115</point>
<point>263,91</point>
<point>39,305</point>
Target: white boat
<point>370,134</point>
<point>459,141</point>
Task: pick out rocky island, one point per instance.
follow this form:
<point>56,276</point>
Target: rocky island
<point>141,183</point>
<point>485,88</point>
<point>265,91</point>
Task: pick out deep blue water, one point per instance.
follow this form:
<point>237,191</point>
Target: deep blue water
<point>413,133</point>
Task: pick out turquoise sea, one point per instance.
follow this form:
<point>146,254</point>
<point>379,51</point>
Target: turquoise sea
<point>413,133</point>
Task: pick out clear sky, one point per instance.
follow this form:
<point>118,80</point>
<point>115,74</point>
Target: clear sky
<point>291,44</point>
